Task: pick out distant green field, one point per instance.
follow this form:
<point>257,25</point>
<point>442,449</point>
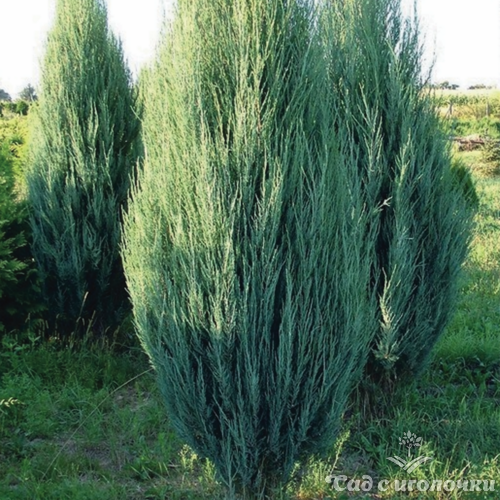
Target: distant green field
<point>471,112</point>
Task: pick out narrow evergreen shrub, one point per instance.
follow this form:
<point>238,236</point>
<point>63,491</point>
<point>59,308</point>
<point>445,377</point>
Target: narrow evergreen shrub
<point>82,156</point>
<point>245,241</point>
<point>22,107</point>
<point>490,154</point>
<point>425,219</point>
<point>463,181</point>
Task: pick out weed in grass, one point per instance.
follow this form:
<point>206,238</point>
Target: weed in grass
<point>477,164</point>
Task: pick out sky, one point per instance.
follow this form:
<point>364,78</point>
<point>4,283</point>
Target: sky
<point>464,36</point>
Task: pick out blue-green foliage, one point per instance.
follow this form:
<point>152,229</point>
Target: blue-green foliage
<point>83,154</point>
<point>245,248</point>
<point>425,219</point>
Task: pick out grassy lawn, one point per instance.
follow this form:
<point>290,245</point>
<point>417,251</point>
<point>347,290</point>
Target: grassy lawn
<point>71,427</point>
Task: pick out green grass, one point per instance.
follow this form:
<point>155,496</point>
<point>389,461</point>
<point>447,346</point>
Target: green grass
<point>474,332</point>
<point>73,430</point>
<point>485,127</point>
<point>71,434</point>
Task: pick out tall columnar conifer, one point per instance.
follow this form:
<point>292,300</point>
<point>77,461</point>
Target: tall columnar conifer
<point>425,222</point>
<point>245,241</point>
<point>83,153</point>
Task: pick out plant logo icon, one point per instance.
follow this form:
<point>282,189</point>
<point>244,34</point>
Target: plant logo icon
<point>409,440</point>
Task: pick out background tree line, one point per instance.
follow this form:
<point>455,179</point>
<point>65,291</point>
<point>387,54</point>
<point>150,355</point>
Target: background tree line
<point>21,105</point>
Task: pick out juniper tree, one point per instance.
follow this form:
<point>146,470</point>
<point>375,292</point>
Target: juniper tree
<point>245,241</point>
<point>424,226</point>
<point>83,153</point>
